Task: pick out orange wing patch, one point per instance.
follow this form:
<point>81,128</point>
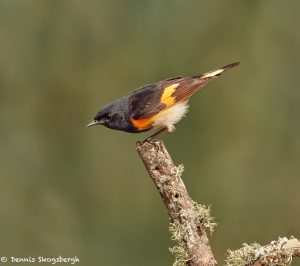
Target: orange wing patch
<point>166,97</point>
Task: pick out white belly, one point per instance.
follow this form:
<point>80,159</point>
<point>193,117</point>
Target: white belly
<point>171,116</point>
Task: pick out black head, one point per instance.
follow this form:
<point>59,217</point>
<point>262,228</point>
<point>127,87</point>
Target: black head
<point>111,116</point>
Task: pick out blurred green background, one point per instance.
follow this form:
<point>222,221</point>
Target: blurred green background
<point>67,190</point>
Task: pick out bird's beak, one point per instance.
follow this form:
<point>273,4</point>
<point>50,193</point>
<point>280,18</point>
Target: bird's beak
<point>93,123</point>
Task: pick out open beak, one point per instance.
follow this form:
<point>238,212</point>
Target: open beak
<point>93,123</point>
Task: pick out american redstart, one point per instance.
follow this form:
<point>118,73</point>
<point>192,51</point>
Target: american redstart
<point>158,105</point>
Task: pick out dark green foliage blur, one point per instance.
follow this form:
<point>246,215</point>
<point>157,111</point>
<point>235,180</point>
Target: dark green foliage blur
<point>67,190</point>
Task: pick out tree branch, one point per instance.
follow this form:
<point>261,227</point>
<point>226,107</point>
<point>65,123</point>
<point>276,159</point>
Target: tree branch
<point>277,253</point>
<point>188,219</point>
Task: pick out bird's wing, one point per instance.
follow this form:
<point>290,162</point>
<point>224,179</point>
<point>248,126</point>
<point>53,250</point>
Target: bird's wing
<point>151,99</point>
<point>145,102</point>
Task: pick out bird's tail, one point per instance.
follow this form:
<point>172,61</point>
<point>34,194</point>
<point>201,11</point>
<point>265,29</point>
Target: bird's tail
<point>218,71</point>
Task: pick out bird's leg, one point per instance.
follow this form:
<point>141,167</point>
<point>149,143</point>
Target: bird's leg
<point>159,133</point>
<point>162,132</point>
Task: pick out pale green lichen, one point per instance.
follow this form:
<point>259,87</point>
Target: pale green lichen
<point>205,217</point>
<point>179,170</point>
<point>178,228</point>
<point>177,232</point>
<point>173,191</point>
<point>243,256</point>
<point>165,178</point>
<point>185,214</point>
<point>272,255</point>
<point>180,255</point>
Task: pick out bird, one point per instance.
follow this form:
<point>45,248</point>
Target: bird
<point>159,105</point>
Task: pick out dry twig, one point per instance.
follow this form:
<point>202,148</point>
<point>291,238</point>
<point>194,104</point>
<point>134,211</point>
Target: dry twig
<point>188,220</point>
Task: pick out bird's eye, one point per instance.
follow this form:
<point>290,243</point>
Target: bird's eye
<point>108,116</point>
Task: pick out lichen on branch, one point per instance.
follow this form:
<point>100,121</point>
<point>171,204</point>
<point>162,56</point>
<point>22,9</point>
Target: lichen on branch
<point>277,253</point>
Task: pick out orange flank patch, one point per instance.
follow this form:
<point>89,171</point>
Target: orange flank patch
<point>143,123</point>
<point>166,97</point>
